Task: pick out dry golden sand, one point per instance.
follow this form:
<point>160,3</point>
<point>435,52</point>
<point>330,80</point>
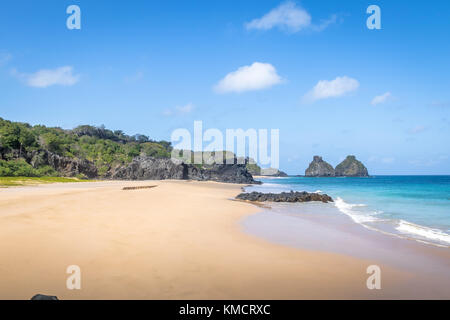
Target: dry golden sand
<point>179,240</point>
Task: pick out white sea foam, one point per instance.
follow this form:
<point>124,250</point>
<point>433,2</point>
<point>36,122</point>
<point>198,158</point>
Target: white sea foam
<point>404,227</point>
<point>358,217</point>
<point>265,187</point>
<point>318,191</point>
<point>266,184</point>
<point>428,233</point>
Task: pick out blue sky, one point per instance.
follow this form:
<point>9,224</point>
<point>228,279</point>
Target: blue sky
<point>151,67</point>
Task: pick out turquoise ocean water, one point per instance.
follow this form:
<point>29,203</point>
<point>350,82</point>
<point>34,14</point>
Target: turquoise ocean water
<point>416,207</point>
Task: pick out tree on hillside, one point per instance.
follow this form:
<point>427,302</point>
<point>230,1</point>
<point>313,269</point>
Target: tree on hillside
<point>52,142</point>
<point>16,136</point>
<point>9,135</point>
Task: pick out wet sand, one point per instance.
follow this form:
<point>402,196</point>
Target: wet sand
<point>179,240</point>
<point>321,227</point>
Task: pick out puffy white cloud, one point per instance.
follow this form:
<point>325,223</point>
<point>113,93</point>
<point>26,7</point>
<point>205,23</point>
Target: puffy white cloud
<point>247,78</point>
<point>48,77</point>
<point>287,16</point>
<point>179,110</point>
<point>332,88</point>
<point>381,99</point>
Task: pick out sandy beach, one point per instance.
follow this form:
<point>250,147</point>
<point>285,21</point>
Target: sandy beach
<point>178,240</point>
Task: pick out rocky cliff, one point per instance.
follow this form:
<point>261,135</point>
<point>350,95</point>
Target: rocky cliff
<point>319,168</point>
<point>149,168</point>
<point>143,168</point>
<point>65,166</point>
<point>97,152</point>
<point>351,167</point>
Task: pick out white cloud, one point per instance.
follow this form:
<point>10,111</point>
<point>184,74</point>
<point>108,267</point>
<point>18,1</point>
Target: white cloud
<point>417,129</point>
<point>254,77</point>
<point>4,58</point>
<point>429,162</point>
<point>385,160</point>
<point>139,75</point>
<point>388,160</point>
<point>48,77</point>
<point>381,99</point>
<point>440,104</point>
<point>179,110</point>
<point>331,89</point>
<point>288,16</point>
<point>325,23</point>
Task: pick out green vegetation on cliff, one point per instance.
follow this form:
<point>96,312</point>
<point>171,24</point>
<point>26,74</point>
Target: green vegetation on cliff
<point>351,167</point>
<point>20,142</point>
<point>254,169</point>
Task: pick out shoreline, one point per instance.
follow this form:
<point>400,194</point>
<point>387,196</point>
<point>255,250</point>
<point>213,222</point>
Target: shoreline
<point>370,215</point>
<point>141,244</point>
<point>322,227</point>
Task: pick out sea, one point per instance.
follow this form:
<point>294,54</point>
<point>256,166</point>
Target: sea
<point>413,207</point>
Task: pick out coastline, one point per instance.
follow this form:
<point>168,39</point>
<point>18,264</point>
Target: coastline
<point>412,207</point>
<point>179,240</point>
<point>321,227</point>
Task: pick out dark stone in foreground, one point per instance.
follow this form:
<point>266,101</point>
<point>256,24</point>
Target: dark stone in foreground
<point>44,297</point>
<point>285,197</point>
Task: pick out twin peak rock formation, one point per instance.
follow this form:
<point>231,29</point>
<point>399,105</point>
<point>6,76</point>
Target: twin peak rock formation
<point>350,167</point>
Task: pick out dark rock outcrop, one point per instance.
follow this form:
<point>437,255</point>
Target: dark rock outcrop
<point>351,167</point>
<point>284,197</point>
<point>254,169</point>
<point>319,168</point>
<point>43,297</point>
<point>232,173</point>
<point>271,172</point>
<point>69,167</point>
<point>149,168</point>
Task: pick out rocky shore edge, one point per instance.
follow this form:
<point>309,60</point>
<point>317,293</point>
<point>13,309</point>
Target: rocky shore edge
<point>284,197</point>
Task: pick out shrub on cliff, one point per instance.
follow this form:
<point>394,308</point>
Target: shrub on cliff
<point>105,148</point>
<point>20,168</point>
